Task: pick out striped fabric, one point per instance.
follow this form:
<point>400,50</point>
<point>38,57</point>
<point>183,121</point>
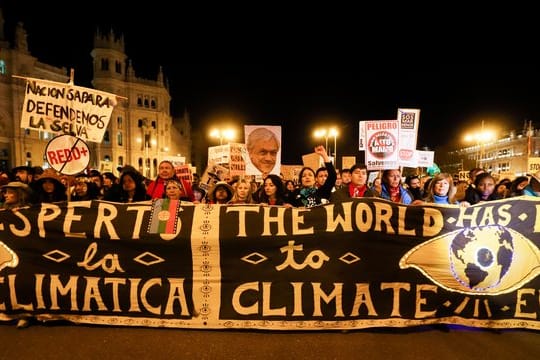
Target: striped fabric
<point>164,216</point>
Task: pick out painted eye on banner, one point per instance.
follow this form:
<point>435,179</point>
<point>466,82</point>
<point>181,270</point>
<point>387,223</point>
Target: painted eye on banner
<point>486,260</point>
<point>7,257</point>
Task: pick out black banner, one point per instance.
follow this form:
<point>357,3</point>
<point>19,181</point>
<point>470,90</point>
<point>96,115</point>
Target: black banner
<point>364,263</point>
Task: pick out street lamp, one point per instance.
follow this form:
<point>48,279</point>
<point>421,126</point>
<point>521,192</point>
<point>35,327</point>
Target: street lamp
<point>227,134</point>
<point>326,133</point>
<point>480,138</point>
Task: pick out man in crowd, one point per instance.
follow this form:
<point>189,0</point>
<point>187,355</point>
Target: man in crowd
<point>262,147</point>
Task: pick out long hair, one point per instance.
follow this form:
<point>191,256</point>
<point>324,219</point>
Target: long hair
<point>451,188</point>
<point>249,197</point>
<point>280,190</point>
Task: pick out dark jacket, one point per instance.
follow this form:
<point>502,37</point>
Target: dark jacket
<point>309,197</point>
<point>342,194</point>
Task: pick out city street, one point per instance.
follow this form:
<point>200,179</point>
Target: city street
<point>62,340</point>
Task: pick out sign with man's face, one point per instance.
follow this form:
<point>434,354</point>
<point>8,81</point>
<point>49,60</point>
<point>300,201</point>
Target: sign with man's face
<point>263,146</point>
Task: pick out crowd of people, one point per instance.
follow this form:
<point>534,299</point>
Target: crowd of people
<point>25,186</point>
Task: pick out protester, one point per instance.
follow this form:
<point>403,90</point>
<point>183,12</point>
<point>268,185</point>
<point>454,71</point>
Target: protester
<point>356,188</point>
<point>345,176</point>
<point>377,186</point>
<point>533,188</point>
<point>16,195</point>
<point>484,189</point>
<point>166,171</point>
<point>273,192</point>
<point>441,190</point>
<point>414,187</point>
<point>23,174</point>
<point>470,193</point>
<point>132,188</point>
<point>518,186</point>
<point>199,195</point>
<point>308,194</point>
<point>48,188</point>
<point>173,190</point>
<point>392,189</point>
<point>242,192</point>
<point>221,193</point>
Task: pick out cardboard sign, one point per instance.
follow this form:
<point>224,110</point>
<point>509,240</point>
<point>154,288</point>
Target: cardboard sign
<point>67,154</point>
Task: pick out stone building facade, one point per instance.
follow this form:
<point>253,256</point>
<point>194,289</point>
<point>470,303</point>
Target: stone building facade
<point>141,130</point>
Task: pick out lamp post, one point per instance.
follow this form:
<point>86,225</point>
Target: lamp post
<point>326,133</point>
<point>227,134</point>
<point>481,138</point>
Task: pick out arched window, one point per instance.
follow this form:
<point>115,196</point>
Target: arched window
<point>153,124</point>
<point>153,104</point>
<point>120,161</point>
<point>119,138</point>
<point>145,102</point>
<point>118,67</point>
<point>3,68</point>
<point>106,137</point>
<point>119,122</point>
<point>139,101</point>
<point>107,158</point>
<point>104,64</point>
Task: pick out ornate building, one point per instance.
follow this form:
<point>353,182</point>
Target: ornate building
<point>141,131</point>
<point>506,155</point>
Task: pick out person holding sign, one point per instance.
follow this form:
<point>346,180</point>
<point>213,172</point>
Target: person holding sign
<point>308,194</point>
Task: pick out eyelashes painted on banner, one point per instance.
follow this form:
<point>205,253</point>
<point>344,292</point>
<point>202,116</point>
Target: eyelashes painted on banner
<point>485,260</point>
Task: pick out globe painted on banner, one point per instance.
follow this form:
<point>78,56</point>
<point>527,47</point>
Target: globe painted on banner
<point>382,144</point>
<point>480,257</point>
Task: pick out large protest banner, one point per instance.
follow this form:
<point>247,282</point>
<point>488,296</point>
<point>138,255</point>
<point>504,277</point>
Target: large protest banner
<point>359,264</point>
<point>66,109</point>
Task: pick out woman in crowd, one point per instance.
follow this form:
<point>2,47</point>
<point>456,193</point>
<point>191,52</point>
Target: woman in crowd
<point>308,194</point>
<point>484,189</point>
<point>518,186</point>
<point>441,190</point>
<point>84,190</point>
<point>242,192</point>
<point>132,188</point>
<point>199,195</point>
<point>49,188</point>
<point>377,186</point>
<point>173,190</point>
<point>414,186</point>
<point>221,193</point>
<point>273,192</point>
<point>392,189</point>
<point>16,195</point>
<point>289,191</point>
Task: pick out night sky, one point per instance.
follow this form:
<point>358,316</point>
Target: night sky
<point>259,73</point>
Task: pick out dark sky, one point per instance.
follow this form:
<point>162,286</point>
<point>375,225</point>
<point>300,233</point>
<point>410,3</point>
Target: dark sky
<point>256,71</point>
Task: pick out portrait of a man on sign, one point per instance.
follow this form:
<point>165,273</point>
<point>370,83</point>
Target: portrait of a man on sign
<point>263,147</point>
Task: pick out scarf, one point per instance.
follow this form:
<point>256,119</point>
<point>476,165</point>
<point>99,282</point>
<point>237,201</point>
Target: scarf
<point>395,194</point>
<point>357,191</point>
<point>308,196</point>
